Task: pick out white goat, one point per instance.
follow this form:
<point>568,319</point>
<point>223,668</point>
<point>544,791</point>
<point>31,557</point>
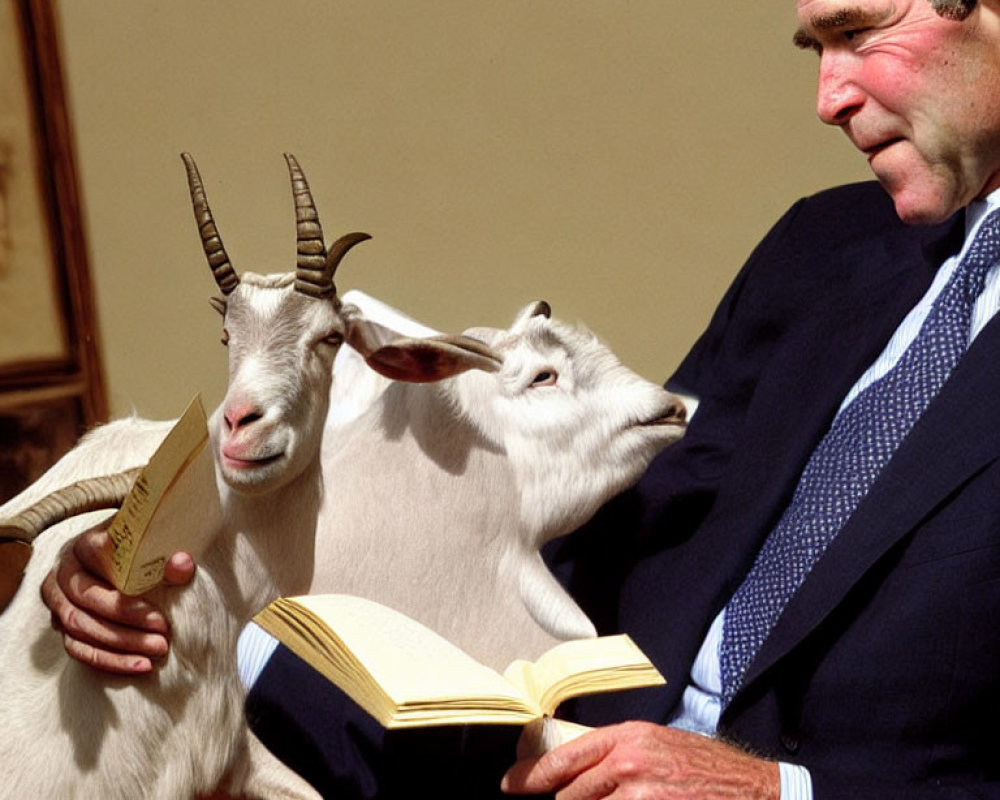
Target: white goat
<point>446,492</point>
<point>73,733</point>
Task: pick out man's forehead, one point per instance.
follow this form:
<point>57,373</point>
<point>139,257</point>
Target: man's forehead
<point>818,17</point>
<point>824,14</point>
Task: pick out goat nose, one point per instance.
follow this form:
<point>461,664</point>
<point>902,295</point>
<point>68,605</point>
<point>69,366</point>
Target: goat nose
<point>239,416</point>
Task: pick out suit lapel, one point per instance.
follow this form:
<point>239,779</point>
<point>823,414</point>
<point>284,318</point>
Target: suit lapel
<point>872,286</point>
<point>954,439</point>
<point>792,408</point>
<point>796,395</point>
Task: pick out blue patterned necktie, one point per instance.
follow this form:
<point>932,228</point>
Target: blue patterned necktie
<point>847,460</point>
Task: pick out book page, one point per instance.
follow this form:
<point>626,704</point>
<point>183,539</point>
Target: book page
<point>585,666</point>
<point>174,505</point>
<point>425,678</point>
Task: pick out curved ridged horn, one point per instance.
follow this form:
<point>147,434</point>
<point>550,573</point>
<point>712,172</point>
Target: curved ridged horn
<point>218,261</point>
<point>92,494</point>
<point>310,249</point>
<point>337,252</point>
<point>314,267</point>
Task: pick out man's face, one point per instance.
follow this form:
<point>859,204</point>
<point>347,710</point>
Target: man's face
<point>919,94</point>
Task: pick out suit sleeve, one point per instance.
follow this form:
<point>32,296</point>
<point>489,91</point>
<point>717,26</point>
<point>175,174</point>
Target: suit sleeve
<point>319,732</point>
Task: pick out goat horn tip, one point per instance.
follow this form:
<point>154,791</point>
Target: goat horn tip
<point>355,238</point>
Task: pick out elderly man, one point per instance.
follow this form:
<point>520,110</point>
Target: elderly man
<point>816,566</point>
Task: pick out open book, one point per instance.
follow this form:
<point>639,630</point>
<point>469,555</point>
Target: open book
<point>406,675</point>
<point>174,505</point>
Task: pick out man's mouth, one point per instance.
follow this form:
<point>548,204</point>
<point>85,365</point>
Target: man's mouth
<point>875,149</point>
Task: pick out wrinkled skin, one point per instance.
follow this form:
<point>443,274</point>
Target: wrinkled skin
<point>916,91</point>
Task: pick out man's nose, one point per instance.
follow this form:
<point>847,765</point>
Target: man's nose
<point>838,96</point>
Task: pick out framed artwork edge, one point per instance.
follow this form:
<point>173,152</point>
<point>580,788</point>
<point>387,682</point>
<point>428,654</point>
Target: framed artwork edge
<point>46,403</point>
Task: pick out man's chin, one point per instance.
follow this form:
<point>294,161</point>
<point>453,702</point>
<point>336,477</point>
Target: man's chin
<point>921,196</point>
<point>919,216</point>
<point>920,207</point>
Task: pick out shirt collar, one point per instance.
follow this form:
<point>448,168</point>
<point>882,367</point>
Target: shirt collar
<point>978,210</point>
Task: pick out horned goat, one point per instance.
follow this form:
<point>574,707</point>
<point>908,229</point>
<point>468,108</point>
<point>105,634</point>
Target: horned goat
<point>439,497</point>
<point>73,733</point>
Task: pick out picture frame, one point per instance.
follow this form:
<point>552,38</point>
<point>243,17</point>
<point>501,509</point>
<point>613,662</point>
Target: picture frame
<point>51,381</point>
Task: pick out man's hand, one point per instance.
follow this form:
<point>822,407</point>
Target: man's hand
<point>640,759</point>
<point>101,626</point>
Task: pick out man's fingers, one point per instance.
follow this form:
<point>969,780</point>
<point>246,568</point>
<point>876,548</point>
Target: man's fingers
<point>640,759</point>
<point>93,548</point>
<point>106,660</point>
<point>88,631</point>
<point>520,778</point>
<point>77,587</point>
<point>101,626</point>
<point>179,569</point>
<point>559,766</point>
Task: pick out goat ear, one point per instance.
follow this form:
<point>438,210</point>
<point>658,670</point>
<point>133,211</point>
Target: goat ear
<point>416,359</point>
<point>539,308</point>
<point>433,358</point>
<point>365,335</point>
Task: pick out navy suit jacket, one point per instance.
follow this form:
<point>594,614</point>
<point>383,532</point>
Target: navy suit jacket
<point>883,674</point>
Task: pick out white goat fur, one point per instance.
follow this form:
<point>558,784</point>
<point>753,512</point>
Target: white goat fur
<point>440,496</point>
<point>437,499</point>
<point>71,732</point>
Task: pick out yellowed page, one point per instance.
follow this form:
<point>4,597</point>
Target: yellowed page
<point>427,679</point>
<point>174,505</point>
<point>586,666</point>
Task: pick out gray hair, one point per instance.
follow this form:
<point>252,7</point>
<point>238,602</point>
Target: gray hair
<point>954,9</point>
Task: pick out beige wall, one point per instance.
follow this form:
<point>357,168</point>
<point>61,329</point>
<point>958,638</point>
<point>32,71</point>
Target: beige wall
<point>618,158</point>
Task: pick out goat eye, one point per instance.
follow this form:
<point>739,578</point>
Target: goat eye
<point>334,339</point>
<point>547,377</point>
<point>225,337</point>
